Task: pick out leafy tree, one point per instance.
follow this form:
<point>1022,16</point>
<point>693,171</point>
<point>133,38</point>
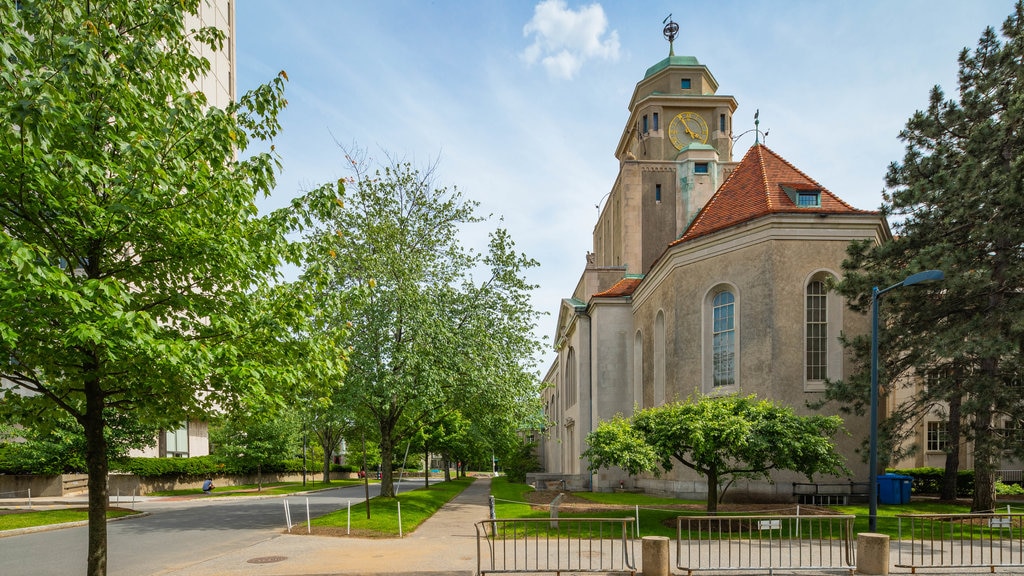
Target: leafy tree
<point>722,438</point>
<point>59,446</point>
<point>134,269</point>
<point>956,200</point>
<point>427,337</point>
<point>257,439</point>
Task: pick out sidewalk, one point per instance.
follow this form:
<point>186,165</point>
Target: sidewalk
<point>444,544</point>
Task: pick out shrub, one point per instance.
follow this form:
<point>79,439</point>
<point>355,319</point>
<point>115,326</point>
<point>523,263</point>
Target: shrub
<point>1009,489</point>
<point>929,480</point>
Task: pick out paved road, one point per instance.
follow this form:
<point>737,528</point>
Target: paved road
<point>176,534</point>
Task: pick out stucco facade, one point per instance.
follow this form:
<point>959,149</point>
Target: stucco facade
<point>708,276</point>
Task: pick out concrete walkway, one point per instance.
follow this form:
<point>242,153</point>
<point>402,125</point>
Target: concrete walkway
<point>444,544</point>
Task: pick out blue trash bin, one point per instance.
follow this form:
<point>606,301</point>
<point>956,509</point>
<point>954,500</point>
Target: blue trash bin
<point>894,488</point>
<point>905,482</point>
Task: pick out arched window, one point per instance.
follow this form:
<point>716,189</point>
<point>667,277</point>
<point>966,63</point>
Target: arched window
<point>823,354</point>
<point>659,359</point>
<point>816,341</point>
<point>570,378</point>
<point>723,339</point>
<point>638,369</point>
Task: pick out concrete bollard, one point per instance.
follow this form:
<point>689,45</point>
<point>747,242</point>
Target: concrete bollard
<point>872,553</point>
<point>655,560</point>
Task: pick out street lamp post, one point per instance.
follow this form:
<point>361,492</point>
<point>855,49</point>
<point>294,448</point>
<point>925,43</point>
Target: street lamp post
<point>919,278</point>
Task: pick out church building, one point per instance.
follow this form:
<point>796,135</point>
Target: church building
<point>708,276</point>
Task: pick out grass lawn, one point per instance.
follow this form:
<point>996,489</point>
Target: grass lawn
<point>887,522</point>
<point>13,519</point>
<point>269,489</point>
<point>509,500</point>
<point>417,506</point>
<point>655,521</point>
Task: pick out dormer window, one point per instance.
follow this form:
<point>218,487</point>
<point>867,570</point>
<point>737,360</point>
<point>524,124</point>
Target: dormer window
<point>808,198</point>
<point>684,83</point>
<point>803,196</point>
<point>700,168</point>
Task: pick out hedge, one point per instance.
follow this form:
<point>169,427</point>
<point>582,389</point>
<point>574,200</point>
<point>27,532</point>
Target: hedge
<point>202,466</point>
<point>929,480</point>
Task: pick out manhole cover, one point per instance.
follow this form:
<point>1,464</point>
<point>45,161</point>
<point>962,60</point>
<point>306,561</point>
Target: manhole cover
<point>267,559</point>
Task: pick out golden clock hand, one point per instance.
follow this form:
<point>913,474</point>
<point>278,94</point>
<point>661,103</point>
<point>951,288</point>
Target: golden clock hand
<point>688,131</point>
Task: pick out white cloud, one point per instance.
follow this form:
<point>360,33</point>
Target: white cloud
<point>563,39</point>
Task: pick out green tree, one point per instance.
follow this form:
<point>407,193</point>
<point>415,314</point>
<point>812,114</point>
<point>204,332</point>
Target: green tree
<point>134,267</point>
<point>956,202</point>
<point>257,439</point>
<point>428,338</point>
<point>722,438</point>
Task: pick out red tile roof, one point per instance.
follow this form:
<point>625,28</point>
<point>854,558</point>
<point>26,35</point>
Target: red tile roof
<point>755,189</point>
<point>624,287</point>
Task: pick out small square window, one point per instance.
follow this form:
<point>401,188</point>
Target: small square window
<point>685,84</point>
<point>808,199</point>
<point>700,168</point>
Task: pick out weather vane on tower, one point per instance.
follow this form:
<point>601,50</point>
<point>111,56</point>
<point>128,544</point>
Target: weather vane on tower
<point>671,30</point>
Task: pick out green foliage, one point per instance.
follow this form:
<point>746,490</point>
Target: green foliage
<point>428,338</point>
<point>522,459</point>
<point>928,480</point>
<point>136,273</point>
<point>955,203</point>
<point>1009,489</point>
<point>722,438</point>
<point>260,442</point>
<point>59,446</point>
<point>202,466</point>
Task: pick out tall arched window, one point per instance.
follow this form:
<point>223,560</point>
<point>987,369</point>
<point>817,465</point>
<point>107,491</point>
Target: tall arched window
<point>570,378</point>
<point>816,345</point>
<point>638,369</point>
<point>659,359</point>
<point>723,340</point>
<point>823,354</point>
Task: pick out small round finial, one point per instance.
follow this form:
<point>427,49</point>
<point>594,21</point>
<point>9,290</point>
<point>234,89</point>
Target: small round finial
<point>671,30</point>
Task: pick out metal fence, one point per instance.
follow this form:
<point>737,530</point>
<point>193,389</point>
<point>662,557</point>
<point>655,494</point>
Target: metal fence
<point>960,540</point>
<point>531,545</point>
<point>791,542</point>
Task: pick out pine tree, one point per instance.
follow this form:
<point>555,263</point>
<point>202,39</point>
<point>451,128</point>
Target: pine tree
<point>957,199</point>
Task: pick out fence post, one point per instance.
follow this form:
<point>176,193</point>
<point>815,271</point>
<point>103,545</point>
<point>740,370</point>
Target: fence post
<point>554,509</point>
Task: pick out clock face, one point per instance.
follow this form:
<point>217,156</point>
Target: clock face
<point>687,127</point>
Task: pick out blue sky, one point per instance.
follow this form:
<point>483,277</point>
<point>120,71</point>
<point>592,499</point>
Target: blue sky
<point>523,103</point>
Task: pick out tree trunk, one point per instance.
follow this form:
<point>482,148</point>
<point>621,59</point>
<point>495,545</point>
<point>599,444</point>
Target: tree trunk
<point>259,478</point>
<point>447,468</point>
<point>426,466</point>
<point>712,500</point>
<point>327,467</point>
<point>387,450</point>
<point>949,476</point>
<point>985,452</point>
<point>97,466</point>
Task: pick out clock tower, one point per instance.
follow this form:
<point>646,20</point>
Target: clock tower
<point>674,152</point>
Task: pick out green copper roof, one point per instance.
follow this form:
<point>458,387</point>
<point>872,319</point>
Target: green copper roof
<point>671,61</point>
<point>698,146</point>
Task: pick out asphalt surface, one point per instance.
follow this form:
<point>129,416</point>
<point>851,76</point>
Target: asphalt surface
<point>244,536</point>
